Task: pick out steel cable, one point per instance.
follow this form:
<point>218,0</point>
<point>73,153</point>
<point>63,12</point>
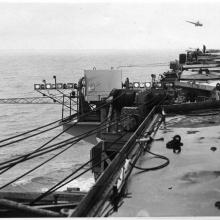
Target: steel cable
<point>63,183</point>
<point>83,115</point>
<point>38,149</point>
<point>28,172</point>
<point>27,132</point>
<point>5,167</point>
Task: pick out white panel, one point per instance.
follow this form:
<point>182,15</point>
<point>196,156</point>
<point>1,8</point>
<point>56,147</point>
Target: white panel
<point>99,83</point>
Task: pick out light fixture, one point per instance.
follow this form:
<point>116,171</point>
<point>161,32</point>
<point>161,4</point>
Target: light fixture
<point>48,86</point>
<point>147,84</point>
<point>169,84</point>
<point>53,86</point>
<point>36,86</point>
<point>136,84</point>
<point>59,85</point>
<point>69,85</point>
<point>159,85</point>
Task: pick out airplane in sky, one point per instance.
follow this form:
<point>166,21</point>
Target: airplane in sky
<point>195,23</point>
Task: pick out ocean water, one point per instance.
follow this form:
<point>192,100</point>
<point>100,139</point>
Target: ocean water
<point>19,70</point>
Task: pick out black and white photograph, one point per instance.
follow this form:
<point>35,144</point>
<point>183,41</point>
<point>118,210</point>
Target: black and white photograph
<point>110,108</point>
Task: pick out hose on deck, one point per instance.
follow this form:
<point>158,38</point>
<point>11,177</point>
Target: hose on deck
<point>154,168</point>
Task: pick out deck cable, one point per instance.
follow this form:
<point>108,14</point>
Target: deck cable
<point>41,148</point>
<point>30,136</point>
<point>63,183</point>
<point>38,166</point>
<point>7,164</point>
<point>27,132</point>
<point>153,168</point>
<point>77,118</point>
<point>72,174</point>
<point>48,149</point>
<point>145,149</point>
<point>38,149</point>
<point>157,155</point>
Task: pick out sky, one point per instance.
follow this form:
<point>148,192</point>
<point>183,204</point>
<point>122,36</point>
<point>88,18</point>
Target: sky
<point>100,24</point>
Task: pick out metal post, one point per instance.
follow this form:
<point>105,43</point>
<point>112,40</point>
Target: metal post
<point>70,104</point>
<point>78,102</point>
<point>55,79</point>
<point>44,81</point>
<point>63,108</point>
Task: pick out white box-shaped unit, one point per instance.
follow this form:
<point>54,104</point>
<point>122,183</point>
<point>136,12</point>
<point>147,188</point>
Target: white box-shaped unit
<point>99,83</point>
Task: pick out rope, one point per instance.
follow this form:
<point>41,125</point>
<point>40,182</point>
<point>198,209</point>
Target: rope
<point>63,183</point>
<point>55,188</point>
<point>12,142</point>
<point>52,147</point>
<point>27,132</point>
<point>38,166</point>
<point>83,115</point>
<point>28,172</point>
<point>24,158</point>
<point>7,167</point>
<point>22,139</point>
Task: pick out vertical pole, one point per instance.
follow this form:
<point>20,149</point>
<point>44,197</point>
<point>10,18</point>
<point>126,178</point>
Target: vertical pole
<point>55,79</point>
<point>70,104</point>
<point>103,157</point>
<point>78,102</point>
<point>63,108</point>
